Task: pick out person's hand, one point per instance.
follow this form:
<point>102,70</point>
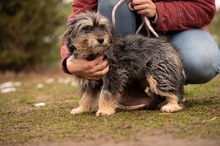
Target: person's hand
<point>144,7</point>
<point>92,70</point>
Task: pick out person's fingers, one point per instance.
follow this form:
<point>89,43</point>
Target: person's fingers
<point>139,2</point>
<point>102,72</point>
<point>91,77</point>
<point>146,10</point>
<point>98,65</point>
<point>92,70</point>
<point>141,7</point>
<point>97,60</point>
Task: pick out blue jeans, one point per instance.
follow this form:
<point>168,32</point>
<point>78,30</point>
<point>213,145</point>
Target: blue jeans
<point>200,52</point>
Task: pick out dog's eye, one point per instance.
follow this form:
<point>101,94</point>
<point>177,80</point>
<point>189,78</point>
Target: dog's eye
<point>102,26</point>
<point>87,27</point>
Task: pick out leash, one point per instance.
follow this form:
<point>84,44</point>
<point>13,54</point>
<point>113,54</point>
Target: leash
<point>145,21</point>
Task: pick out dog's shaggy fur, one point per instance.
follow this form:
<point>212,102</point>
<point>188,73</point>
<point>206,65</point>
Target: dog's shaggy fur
<point>135,62</point>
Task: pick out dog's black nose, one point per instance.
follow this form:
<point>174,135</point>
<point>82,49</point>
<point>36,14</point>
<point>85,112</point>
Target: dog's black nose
<point>100,40</point>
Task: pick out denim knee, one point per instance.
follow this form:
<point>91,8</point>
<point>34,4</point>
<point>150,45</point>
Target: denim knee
<point>125,19</point>
<point>200,53</point>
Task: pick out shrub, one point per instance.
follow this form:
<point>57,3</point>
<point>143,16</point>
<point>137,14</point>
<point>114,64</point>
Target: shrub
<point>27,31</point>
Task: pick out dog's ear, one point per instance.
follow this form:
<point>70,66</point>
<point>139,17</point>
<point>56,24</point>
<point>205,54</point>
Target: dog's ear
<point>67,32</point>
<point>70,28</point>
<point>70,46</point>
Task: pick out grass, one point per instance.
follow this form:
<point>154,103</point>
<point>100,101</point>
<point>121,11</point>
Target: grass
<point>21,122</point>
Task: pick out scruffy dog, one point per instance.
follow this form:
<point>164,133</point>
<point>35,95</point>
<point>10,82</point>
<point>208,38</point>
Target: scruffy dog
<point>135,62</point>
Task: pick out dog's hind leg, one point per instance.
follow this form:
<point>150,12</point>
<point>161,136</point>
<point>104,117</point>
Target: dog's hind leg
<point>157,101</point>
<point>171,103</point>
<point>87,103</point>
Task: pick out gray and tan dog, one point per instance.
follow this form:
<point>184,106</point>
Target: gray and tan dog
<point>135,62</point>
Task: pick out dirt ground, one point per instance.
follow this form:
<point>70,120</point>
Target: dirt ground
<point>156,138</point>
<point>144,140</point>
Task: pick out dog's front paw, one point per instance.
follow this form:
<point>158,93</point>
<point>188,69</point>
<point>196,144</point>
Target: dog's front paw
<point>77,111</point>
<point>105,112</point>
<point>170,108</point>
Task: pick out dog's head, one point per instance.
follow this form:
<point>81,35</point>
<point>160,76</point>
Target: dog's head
<point>88,34</point>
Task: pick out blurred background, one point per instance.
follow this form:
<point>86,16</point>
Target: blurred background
<point>31,33</point>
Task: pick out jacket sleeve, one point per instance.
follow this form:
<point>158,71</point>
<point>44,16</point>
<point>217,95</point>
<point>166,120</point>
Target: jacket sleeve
<point>78,6</point>
<point>183,15</point>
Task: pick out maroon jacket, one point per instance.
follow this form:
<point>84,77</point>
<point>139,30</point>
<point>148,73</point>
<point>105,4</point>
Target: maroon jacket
<point>172,15</point>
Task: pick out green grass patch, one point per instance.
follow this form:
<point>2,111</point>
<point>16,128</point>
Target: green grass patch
<point>21,122</point>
